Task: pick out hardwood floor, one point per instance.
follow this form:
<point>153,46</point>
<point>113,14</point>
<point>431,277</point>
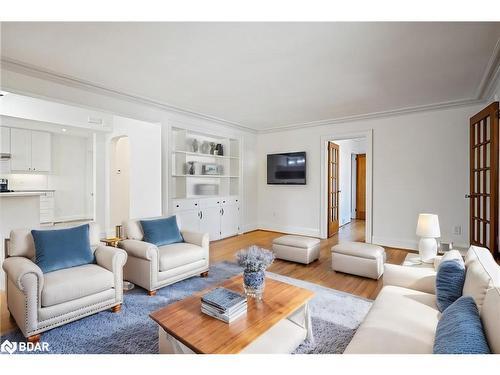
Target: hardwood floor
<point>319,272</point>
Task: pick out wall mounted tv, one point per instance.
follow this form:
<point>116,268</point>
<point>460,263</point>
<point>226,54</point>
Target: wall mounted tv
<point>286,168</point>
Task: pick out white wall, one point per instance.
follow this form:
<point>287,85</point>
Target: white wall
<point>419,165</point>
<point>347,148</point>
<point>69,177</point>
<point>145,169</point>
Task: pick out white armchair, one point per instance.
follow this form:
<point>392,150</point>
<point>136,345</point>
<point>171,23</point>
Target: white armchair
<point>153,267</point>
<point>39,302</point>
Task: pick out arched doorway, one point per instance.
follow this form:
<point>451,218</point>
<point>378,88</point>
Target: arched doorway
<point>119,191</point>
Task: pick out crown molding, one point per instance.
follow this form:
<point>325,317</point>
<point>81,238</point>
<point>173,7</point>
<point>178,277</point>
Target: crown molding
<point>484,93</point>
<point>375,115</point>
<point>491,75</point>
<point>42,73</point>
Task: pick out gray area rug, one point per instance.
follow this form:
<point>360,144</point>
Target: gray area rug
<point>335,317</point>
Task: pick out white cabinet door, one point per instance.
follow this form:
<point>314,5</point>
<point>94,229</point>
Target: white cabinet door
<point>20,148</point>
<point>230,220</point>
<point>210,222</point>
<point>40,151</point>
<point>4,140</point>
<point>189,220</point>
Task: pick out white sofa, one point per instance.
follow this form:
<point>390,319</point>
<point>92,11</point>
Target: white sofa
<point>153,267</point>
<point>404,316</point>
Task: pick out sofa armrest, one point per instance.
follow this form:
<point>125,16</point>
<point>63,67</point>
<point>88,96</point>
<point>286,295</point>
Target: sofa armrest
<point>139,249</point>
<point>196,238</point>
<point>417,278</point>
<point>110,258</point>
<point>17,268</point>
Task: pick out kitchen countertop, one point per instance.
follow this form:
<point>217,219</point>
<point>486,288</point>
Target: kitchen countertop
<point>32,190</point>
<point>21,194</point>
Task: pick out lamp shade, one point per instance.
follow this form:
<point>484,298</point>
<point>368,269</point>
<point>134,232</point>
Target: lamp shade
<point>428,226</point>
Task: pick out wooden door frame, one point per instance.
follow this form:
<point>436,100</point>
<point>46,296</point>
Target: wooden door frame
<point>339,136</point>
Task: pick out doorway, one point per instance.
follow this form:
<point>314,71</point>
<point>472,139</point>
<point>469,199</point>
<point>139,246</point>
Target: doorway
<point>119,180</point>
<point>341,198</point>
<point>346,166</point>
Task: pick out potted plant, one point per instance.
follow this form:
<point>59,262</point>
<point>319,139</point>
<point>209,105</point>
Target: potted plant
<point>254,261</point>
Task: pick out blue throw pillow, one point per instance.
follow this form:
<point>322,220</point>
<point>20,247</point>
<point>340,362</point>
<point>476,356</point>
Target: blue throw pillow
<point>450,280</point>
<point>62,248</point>
<point>459,331</point>
<point>162,231</point>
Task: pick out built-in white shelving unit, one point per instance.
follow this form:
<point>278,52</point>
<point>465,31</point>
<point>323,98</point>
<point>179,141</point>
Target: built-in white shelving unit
<point>205,186</point>
<point>225,181</point>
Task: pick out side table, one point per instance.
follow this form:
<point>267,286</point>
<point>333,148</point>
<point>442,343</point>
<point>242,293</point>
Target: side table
<point>113,241</point>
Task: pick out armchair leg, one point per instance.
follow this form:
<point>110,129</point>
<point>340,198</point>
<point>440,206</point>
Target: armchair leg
<point>204,274</point>
<point>34,339</point>
<point>151,293</point>
<point>116,309</point>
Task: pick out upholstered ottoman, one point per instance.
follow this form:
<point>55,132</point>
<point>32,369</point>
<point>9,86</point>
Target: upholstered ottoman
<point>359,258</point>
<point>296,248</point>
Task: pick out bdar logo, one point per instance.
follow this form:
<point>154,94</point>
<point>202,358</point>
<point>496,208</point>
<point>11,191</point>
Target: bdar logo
<point>8,347</point>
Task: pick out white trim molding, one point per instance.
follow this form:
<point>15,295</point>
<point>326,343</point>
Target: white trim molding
<point>302,231</point>
<point>337,136</point>
<point>42,73</point>
<point>485,88</point>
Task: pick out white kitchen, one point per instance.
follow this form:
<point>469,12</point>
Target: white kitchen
<point>49,161</point>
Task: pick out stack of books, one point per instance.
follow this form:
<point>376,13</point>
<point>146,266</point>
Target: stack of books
<point>224,304</point>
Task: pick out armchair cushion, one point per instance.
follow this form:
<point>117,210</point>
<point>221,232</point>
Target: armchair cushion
<point>162,231</point>
<point>72,283</point>
<point>62,248</point>
<point>180,254</point>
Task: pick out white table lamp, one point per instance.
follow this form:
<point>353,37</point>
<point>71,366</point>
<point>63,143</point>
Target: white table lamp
<point>428,231</point>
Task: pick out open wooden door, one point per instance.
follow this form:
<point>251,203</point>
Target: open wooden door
<point>484,178</point>
<point>333,188</point>
<point>361,186</point>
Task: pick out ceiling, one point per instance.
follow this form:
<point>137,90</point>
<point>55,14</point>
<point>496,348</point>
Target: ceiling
<point>265,75</point>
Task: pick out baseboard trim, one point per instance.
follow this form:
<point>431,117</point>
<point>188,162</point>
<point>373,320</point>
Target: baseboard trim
<point>396,243</point>
<point>310,232</point>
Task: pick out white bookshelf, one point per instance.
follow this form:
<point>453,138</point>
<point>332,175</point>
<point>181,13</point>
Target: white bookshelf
<point>187,186</point>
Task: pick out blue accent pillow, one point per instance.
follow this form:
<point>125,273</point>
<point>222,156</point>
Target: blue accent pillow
<point>459,331</point>
<point>450,280</point>
<point>62,248</point>
<point>162,231</point>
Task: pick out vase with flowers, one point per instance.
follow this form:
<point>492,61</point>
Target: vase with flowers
<point>254,261</point>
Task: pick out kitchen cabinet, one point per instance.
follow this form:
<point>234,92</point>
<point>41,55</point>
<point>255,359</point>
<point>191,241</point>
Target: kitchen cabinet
<point>4,140</point>
<point>41,155</point>
<point>20,148</point>
<point>30,150</point>
<point>217,216</point>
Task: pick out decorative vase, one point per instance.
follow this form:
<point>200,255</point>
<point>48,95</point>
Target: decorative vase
<point>195,145</point>
<point>253,283</point>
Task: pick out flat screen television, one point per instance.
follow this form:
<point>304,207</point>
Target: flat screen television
<point>286,168</point>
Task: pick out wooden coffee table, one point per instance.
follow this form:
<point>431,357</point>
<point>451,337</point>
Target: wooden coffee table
<point>278,323</point>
